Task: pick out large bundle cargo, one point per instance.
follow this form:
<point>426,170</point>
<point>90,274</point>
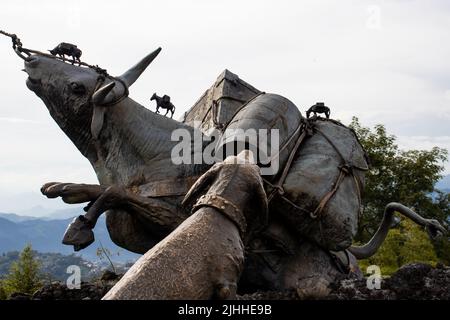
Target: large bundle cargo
<point>322,191</point>
<point>317,187</point>
<point>219,103</point>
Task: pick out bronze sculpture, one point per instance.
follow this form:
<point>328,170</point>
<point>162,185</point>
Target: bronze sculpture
<point>163,102</point>
<point>68,49</point>
<point>141,190</point>
<point>319,107</point>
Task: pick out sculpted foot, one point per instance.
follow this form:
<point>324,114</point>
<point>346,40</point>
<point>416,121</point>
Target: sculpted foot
<point>79,232</point>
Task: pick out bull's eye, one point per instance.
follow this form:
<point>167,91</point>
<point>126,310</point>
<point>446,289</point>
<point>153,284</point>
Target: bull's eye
<point>77,88</point>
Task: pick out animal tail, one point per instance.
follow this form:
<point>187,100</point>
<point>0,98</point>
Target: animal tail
<point>433,227</point>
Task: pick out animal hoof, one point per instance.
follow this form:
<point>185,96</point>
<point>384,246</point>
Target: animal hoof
<point>79,234</point>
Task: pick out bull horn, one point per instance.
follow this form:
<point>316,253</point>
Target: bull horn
<point>134,73</point>
<point>98,98</point>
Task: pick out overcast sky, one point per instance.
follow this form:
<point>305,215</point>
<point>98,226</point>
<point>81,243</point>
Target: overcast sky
<point>382,61</point>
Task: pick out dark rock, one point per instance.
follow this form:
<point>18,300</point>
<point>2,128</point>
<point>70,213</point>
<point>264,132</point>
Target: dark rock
<point>108,276</point>
<point>416,281</point>
<point>88,291</point>
<point>19,296</point>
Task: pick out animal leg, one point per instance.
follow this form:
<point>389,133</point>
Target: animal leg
<point>203,258</point>
<point>157,109</point>
<point>154,212</point>
<point>433,227</point>
<point>167,111</point>
<point>72,192</point>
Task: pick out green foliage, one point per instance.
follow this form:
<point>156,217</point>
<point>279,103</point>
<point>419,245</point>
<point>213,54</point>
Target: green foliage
<point>3,294</point>
<point>401,176</point>
<point>406,244</point>
<point>24,276</point>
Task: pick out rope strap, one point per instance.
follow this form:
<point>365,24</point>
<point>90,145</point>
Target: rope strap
<point>345,169</point>
<point>226,207</point>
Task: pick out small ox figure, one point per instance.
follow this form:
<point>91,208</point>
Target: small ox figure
<point>68,49</point>
<point>163,102</point>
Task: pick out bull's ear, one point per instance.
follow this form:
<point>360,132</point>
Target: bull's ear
<point>98,116</point>
<point>100,96</point>
<point>130,76</point>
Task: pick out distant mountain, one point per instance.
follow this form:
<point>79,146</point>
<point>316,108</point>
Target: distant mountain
<point>67,213</point>
<point>15,217</point>
<point>30,204</point>
<point>53,214</point>
<point>60,214</point>
<point>53,266</point>
<point>45,235</point>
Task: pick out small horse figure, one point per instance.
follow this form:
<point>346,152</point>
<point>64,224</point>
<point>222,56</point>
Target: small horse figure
<point>163,102</point>
<point>319,107</point>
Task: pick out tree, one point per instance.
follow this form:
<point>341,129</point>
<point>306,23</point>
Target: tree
<point>3,294</point>
<point>408,177</point>
<point>24,275</point>
<point>406,244</point>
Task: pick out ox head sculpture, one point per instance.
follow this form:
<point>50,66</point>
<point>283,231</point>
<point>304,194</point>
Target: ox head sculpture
<point>76,96</point>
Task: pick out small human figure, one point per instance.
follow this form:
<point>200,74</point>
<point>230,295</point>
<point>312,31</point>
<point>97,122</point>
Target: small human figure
<point>319,107</point>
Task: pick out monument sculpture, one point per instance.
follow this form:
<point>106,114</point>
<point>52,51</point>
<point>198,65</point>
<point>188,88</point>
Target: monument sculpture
<point>210,230</point>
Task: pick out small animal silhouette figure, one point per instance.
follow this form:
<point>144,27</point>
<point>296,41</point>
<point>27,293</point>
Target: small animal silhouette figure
<point>163,102</point>
<point>319,107</point>
<point>68,49</point>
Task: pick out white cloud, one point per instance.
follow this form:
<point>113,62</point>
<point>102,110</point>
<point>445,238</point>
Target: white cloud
<point>425,143</point>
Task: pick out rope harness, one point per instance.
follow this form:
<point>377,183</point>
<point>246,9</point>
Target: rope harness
<point>25,54</point>
<point>20,51</point>
<point>307,128</point>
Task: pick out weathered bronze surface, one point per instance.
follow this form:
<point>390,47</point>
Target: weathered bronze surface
<point>221,246</point>
<point>319,107</point>
<point>67,49</point>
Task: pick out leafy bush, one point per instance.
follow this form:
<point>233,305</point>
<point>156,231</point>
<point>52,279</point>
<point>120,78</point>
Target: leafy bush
<point>405,244</point>
<point>24,275</point>
<point>408,177</point>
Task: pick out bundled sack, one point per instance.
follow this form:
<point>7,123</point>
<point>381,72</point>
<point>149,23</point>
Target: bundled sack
<point>321,194</point>
<point>319,178</point>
